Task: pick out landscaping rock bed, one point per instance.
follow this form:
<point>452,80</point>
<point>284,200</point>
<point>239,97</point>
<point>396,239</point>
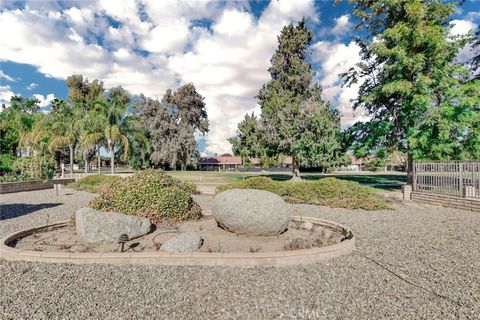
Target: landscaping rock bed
<point>202,236</point>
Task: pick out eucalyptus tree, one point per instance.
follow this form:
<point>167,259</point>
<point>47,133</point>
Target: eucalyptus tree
<point>84,93</point>
<point>172,124</point>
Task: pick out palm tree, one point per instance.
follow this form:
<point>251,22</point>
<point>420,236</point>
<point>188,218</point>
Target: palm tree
<point>113,111</point>
<point>66,131</point>
<point>92,136</point>
<point>36,137</point>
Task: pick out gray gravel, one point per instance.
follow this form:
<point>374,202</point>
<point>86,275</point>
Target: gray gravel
<point>417,262</point>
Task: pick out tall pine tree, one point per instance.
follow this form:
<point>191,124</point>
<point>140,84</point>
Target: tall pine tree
<point>295,119</point>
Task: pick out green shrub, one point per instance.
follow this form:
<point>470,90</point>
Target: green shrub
<point>334,192</point>
<point>34,168</point>
<point>260,183</point>
<point>330,192</point>
<point>94,183</point>
<point>152,194</point>
<point>6,163</point>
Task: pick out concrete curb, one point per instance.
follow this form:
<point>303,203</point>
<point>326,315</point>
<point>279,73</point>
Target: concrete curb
<point>279,258</point>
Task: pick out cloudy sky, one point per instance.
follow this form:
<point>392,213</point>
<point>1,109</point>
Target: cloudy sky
<point>147,46</point>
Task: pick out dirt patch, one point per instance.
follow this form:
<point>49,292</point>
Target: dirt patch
<point>300,235</point>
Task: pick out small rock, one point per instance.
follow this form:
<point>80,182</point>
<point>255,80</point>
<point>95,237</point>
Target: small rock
<point>95,226</point>
<point>184,242</point>
<point>307,225</point>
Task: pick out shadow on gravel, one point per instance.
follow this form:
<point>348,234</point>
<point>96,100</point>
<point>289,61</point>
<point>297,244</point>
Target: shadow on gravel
<point>13,210</point>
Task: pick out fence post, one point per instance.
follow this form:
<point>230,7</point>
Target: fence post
<point>414,176</point>
<point>462,193</point>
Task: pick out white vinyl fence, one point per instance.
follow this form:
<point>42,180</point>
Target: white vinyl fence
<point>451,178</point>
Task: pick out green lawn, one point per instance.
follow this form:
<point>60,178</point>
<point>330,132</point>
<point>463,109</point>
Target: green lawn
<point>211,180</point>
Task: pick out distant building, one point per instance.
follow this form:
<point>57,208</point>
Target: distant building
<point>219,163</point>
<point>227,162</point>
<point>356,164</point>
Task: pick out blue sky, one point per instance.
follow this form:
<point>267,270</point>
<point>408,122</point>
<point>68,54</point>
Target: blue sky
<point>147,46</point>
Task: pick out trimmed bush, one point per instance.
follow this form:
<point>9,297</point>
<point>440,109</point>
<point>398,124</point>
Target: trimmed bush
<point>94,183</point>
<point>34,168</point>
<point>259,183</point>
<point>330,192</point>
<point>152,194</point>
<point>334,192</point>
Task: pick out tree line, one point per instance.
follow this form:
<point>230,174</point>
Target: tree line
<point>419,98</point>
<point>138,131</point>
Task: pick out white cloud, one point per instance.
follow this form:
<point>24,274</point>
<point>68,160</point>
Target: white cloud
<point>336,58</point>
<point>168,37</point>
<point>44,100</point>
<point>342,25</point>
<point>227,63</point>
<point>473,15</point>
<point>5,94</point>
<point>32,85</point>
<point>5,76</point>
<point>461,27</point>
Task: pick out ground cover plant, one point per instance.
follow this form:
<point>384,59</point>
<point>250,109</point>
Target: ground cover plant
<point>94,183</point>
<point>326,192</point>
<point>152,194</point>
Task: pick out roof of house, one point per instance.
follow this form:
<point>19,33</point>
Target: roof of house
<point>236,160</point>
<point>356,160</point>
<point>220,160</point>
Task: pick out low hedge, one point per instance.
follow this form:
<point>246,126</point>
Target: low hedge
<point>34,168</point>
<point>94,183</point>
<point>152,194</point>
<point>260,183</point>
<point>330,192</point>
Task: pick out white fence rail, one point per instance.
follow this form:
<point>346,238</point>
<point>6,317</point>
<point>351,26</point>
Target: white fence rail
<point>452,178</point>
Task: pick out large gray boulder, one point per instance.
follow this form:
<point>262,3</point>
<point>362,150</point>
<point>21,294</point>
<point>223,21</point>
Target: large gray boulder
<point>251,212</point>
<point>95,226</point>
<point>184,242</point>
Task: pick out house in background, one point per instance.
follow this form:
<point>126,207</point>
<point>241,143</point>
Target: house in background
<point>227,162</point>
<point>356,164</point>
<point>219,163</point>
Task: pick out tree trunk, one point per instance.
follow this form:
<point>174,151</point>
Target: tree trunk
<point>409,168</point>
<point>295,169</point>
<point>85,159</point>
<point>112,158</point>
<point>70,147</point>
<point>99,160</point>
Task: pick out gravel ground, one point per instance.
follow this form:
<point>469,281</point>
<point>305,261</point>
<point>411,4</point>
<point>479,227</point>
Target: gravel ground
<point>416,262</point>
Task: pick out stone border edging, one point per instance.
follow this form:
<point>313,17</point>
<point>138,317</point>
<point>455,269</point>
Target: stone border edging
<point>278,258</point>
<point>11,187</point>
